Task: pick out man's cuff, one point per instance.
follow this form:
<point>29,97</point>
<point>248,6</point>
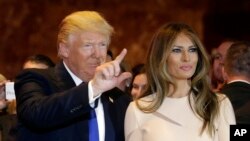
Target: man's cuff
<point>91,95</point>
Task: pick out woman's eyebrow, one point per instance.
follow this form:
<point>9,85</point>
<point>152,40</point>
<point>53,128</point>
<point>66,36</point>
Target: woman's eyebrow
<point>179,46</point>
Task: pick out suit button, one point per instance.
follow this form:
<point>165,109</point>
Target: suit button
<point>72,110</point>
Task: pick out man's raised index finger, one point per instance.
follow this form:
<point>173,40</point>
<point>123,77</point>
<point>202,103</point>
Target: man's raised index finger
<point>121,56</point>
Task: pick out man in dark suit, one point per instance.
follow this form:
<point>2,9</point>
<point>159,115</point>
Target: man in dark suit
<point>237,72</point>
<point>55,104</point>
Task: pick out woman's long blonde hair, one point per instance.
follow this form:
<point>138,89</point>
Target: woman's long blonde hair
<point>159,80</point>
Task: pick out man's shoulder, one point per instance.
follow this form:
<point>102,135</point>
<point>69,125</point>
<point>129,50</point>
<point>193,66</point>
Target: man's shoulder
<point>236,87</point>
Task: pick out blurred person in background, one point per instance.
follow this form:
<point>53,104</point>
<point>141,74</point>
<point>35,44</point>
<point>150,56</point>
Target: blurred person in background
<point>217,57</point>
<point>236,70</point>
<point>8,121</point>
<point>39,61</point>
<point>139,81</point>
<point>3,102</point>
<point>8,113</point>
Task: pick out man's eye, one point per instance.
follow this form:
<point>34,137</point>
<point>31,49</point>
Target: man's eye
<point>217,57</point>
<point>103,45</point>
<point>87,45</point>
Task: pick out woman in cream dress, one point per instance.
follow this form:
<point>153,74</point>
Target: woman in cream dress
<point>178,104</point>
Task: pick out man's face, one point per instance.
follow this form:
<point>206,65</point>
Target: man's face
<point>84,52</point>
<point>219,60</point>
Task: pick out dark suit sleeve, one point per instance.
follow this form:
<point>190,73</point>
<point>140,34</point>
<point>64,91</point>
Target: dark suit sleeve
<point>43,104</point>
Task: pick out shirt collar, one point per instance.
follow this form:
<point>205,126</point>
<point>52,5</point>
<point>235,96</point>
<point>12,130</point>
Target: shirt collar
<point>76,79</point>
<point>239,81</point>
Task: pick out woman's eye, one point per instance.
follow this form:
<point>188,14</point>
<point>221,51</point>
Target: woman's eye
<point>176,50</point>
<point>135,86</point>
<point>193,49</point>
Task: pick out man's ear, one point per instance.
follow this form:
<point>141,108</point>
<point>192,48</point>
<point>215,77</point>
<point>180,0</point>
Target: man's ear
<point>224,74</point>
<point>63,50</point>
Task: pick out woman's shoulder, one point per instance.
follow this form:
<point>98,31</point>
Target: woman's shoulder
<point>146,100</point>
<point>226,112</point>
<point>223,101</point>
<point>143,102</point>
<point>222,98</point>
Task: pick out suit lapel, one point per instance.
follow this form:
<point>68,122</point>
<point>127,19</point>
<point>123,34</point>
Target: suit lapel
<point>63,78</point>
<point>109,128</point>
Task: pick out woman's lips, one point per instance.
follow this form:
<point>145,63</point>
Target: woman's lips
<point>186,68</point>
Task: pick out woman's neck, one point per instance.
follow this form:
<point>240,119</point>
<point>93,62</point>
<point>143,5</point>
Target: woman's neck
<point>181,89</point>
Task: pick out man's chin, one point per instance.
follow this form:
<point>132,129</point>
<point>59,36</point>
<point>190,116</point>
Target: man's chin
<point>91,75</point>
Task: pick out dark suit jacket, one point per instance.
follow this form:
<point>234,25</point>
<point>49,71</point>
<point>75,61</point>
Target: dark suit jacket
<point>239,95</point>
<point>8,127</point>
<point>51,108</point>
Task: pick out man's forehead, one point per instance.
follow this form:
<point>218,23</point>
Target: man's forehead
<point>92,37</point>
<point>224,47</point>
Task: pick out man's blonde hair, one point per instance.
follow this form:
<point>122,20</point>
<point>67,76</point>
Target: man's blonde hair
<point>90,21</point>
<point>2,78</point>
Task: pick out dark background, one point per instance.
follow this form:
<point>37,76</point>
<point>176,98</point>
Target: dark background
<point>30,27</point>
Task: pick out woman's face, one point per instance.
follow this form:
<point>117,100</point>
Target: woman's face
<point>183,58</point>
<point>139,85</point>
